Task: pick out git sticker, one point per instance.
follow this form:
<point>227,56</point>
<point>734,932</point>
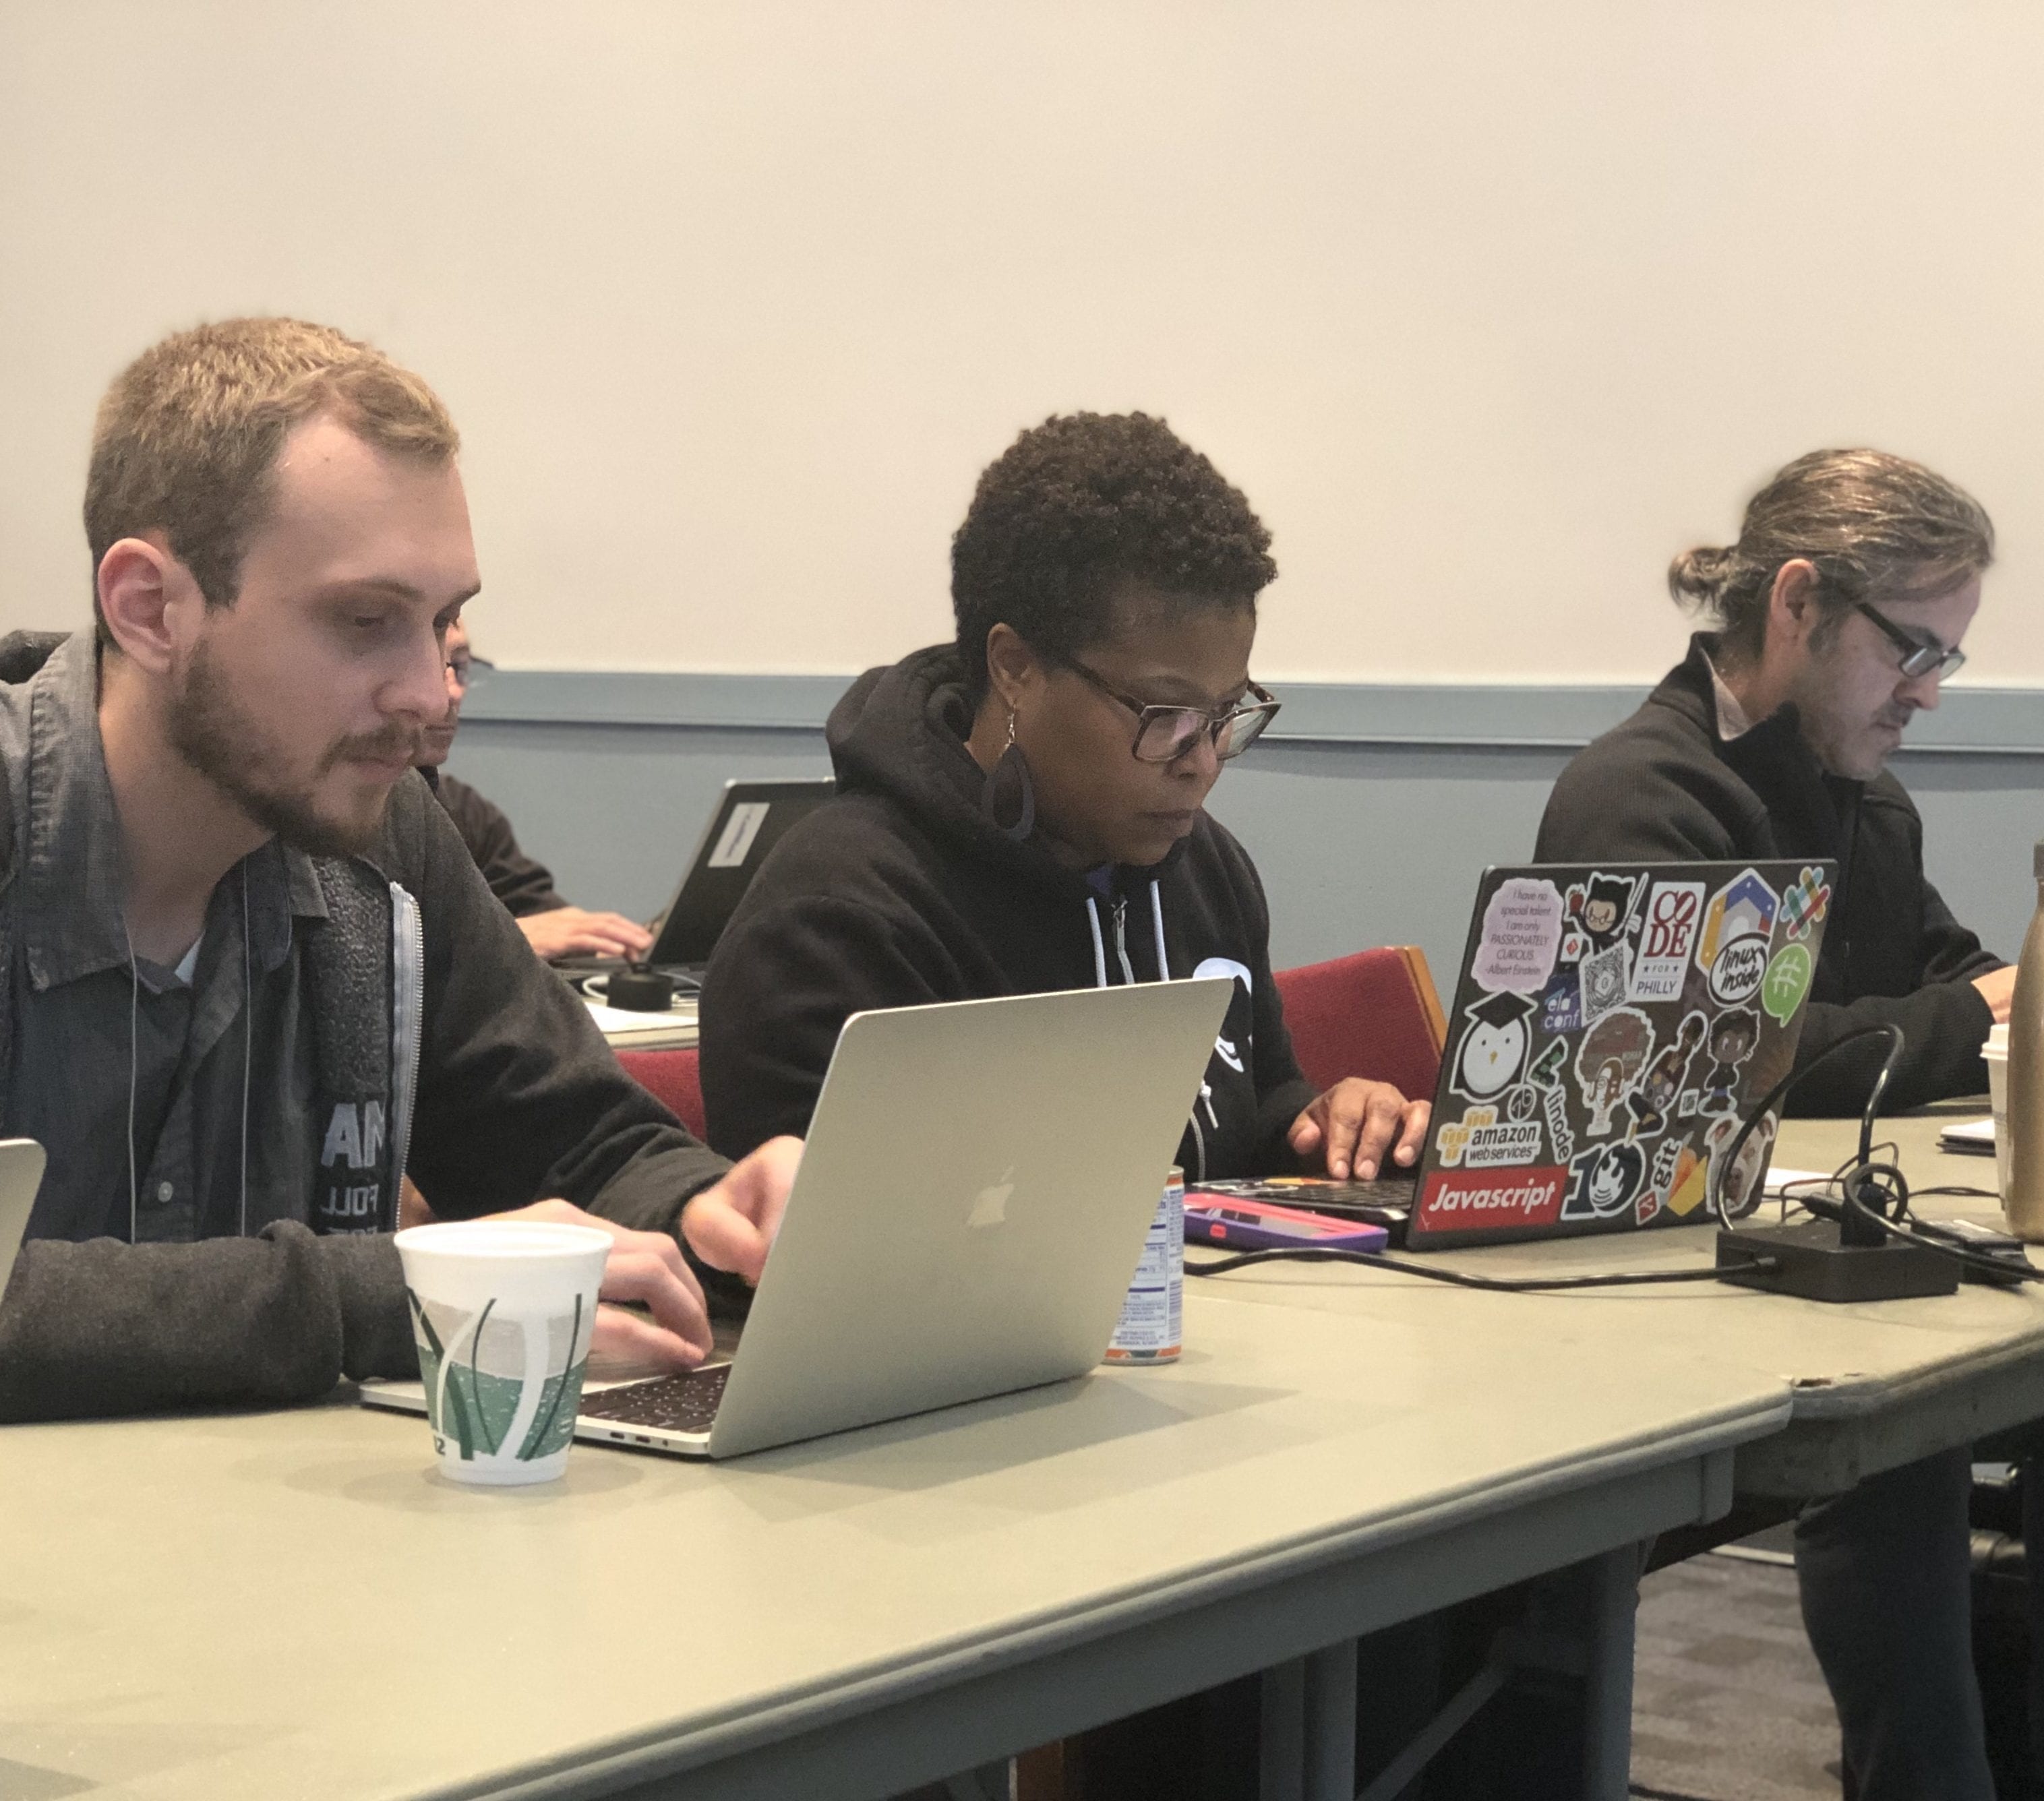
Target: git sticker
<point>1787,981</point>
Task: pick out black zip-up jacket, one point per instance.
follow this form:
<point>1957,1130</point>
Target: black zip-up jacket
<point>899,893</point>
<point>1665,785</point>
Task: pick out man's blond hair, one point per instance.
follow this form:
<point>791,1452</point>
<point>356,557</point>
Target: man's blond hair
<point>187,438</point>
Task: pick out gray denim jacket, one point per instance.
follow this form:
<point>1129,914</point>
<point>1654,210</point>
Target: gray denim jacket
<point>434,1040</point>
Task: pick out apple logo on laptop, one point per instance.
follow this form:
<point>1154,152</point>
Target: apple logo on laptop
<point>989,1206</point>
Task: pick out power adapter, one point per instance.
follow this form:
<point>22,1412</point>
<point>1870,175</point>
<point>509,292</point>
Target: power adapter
<point>1815,1259</point>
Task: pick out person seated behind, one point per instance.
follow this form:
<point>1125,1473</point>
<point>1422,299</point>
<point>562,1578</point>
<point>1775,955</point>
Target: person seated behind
<point>1835,618</point>
<point>552,926</point>
<point>1855,578</point>
<point>212,847</point>
<point>1021,811</point>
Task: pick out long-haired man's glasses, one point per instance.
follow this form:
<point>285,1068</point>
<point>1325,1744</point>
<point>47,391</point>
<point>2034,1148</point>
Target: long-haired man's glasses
<point>1165,734</point>
<point>1918,658</point>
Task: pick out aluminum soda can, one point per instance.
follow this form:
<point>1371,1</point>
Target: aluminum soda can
<point>1152,1328</point>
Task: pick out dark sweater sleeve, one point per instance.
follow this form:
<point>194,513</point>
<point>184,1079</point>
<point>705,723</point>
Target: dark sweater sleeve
<point>523,885</point>
<point>105,1327</point>
<point>518,1098</point>
<point>781,984</point>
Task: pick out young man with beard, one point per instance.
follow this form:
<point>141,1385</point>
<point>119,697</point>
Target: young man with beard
<point>246,962</point>
<point>1835,617</point>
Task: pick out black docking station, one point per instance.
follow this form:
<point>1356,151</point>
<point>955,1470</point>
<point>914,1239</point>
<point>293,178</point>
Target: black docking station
<point>1807,1259</point>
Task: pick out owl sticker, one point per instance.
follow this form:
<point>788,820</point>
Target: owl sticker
<point>1493,1049</point>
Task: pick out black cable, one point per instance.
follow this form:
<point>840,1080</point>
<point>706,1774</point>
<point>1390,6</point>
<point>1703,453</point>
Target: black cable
<point>1885,1177</point>
<point>1459,1278</point>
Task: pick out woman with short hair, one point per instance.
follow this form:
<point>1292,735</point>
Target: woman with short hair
<point>1022,811</point>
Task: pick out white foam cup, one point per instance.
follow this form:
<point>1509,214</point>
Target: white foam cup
<point>1996,1053</point>
<point>502,1311</point>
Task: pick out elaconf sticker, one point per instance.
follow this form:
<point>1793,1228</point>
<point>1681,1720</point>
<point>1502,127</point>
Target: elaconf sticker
<point>1562,1006</point>
<point>1674,915</point>
<point>1804,903</point>
<point>1744,908</point>
<point>1522,932</point>
<point>1787,981</point>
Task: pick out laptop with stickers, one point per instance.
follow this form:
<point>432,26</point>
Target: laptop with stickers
<point>1611,1024</point>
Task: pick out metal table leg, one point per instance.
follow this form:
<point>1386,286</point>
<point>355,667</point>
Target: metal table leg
<point>1281,1739</point>
<point>1330,1723</point>
<point>1614,1599</point>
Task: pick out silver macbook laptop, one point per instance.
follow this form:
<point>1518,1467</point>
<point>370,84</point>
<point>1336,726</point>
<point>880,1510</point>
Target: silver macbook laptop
<point>979,1179</point>
<point>21,1174</point>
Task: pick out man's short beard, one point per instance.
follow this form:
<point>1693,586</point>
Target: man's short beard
<point>214,733</point>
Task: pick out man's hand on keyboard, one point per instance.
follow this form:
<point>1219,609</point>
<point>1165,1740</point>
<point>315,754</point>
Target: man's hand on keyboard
<point>731,1225</point>
<point>649,1268</point>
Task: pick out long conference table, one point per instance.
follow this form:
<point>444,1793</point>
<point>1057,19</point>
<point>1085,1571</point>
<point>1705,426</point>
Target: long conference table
<point>292,1602</point>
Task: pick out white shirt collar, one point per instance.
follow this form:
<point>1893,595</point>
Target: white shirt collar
<point>1732,722</point>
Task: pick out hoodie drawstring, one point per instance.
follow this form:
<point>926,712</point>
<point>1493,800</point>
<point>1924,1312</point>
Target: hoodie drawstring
<point>1163,974</point>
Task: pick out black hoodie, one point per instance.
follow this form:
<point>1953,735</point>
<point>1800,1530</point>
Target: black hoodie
<point>900,893</point>
<point>1664,785</point>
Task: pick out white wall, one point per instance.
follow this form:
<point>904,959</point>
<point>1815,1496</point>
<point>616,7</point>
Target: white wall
<point>1489,306</point>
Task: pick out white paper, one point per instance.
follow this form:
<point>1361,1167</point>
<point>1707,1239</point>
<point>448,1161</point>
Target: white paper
<point>612,1020</point>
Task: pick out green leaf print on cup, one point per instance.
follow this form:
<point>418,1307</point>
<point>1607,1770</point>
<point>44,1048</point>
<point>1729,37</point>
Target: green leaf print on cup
<point>500,1388</point>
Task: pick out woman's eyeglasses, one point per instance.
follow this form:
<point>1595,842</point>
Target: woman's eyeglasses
<point>1165,734</point>
<point>1918,658</point>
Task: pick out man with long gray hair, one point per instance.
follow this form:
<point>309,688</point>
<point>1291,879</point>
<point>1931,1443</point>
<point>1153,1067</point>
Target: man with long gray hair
<point>1832,621</point>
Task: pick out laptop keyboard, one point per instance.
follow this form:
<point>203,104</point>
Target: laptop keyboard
<point>676,1403</point>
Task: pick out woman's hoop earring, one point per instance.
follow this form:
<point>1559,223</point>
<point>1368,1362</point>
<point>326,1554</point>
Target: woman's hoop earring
<point>1011,771</point>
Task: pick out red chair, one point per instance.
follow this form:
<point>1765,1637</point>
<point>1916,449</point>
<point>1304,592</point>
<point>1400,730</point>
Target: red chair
<point>1375,1014</point>
<point>674,1078</point>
